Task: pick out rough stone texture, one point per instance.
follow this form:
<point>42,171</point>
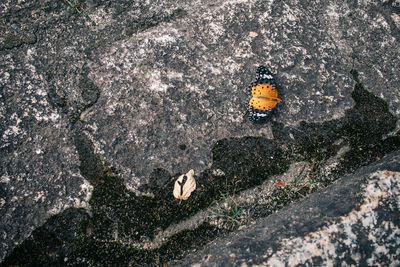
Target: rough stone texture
<point>39,173</point>
<point>185,83</point>
<point>43,86</point>
<point>373,34</point>
<point>355,221</point>
<point>156,83</point>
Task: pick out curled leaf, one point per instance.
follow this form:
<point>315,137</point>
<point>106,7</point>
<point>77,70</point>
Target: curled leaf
<point>184,186</point>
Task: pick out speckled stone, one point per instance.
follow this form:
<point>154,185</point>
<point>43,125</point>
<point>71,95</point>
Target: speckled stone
<point>354,222</point>
<point>185,83</point>
<point>39,173</point>
<point>155,84</point>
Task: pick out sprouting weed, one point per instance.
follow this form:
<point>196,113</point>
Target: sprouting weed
<point>230,212</point>
<point>74,5</point>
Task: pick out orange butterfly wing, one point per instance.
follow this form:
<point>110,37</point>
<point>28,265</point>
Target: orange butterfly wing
<point>264,97</point>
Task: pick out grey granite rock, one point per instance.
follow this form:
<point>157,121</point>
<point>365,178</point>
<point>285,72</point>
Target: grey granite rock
<point>355,221</point>
<point>43,86</point>
<point>155,84</point>
<point>39,174</point>
<point>185,83</point>
<point>372,32</point>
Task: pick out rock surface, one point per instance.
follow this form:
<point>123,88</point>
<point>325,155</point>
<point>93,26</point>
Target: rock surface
<point>180,87</point>
<point>156,84</point>
<point>39,173</point>
<point>355,221</point>
<point>185,84</point>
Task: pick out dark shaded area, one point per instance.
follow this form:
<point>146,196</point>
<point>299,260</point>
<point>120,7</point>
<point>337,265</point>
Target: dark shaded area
<point>362,129</point>
<point>18,38</point>
<point>369,119</point>
<point>313,141</point>
<point>52,242</point>
<point>89,91</point>
<point>364,126</point>
<point>91,166</point>
<point>118,220</point>
<point>248,161</point>
<point>176,247</point>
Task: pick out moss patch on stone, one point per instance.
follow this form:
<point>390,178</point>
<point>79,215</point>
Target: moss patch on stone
<point>122,225</point>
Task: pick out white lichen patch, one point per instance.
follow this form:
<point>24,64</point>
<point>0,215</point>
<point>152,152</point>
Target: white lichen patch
<point>216,30</point>
<point>166,39</point>
<point>174,75</point>
<point>324,243</point>
<point>39,196</point>
<point>155,83</point>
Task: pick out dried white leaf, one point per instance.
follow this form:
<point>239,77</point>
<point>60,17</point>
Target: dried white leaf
<point>184,186</point>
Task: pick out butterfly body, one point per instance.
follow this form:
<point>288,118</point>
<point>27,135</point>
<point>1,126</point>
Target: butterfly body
<point>263,95</point>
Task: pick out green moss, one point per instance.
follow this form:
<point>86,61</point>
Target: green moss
<point>247,162</point>
<point>51,243</point>
<point>186,240</point>
<point>89,251</point>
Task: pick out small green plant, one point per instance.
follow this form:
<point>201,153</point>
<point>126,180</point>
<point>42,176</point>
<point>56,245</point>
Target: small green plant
<point>74,5</point>
<point>301,187</point>
<point>230,212</point>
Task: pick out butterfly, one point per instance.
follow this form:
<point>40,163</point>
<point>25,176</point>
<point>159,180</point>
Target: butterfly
<point>263,95</point>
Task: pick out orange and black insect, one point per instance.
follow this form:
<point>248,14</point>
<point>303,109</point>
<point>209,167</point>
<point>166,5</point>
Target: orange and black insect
<point>263,95</point>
